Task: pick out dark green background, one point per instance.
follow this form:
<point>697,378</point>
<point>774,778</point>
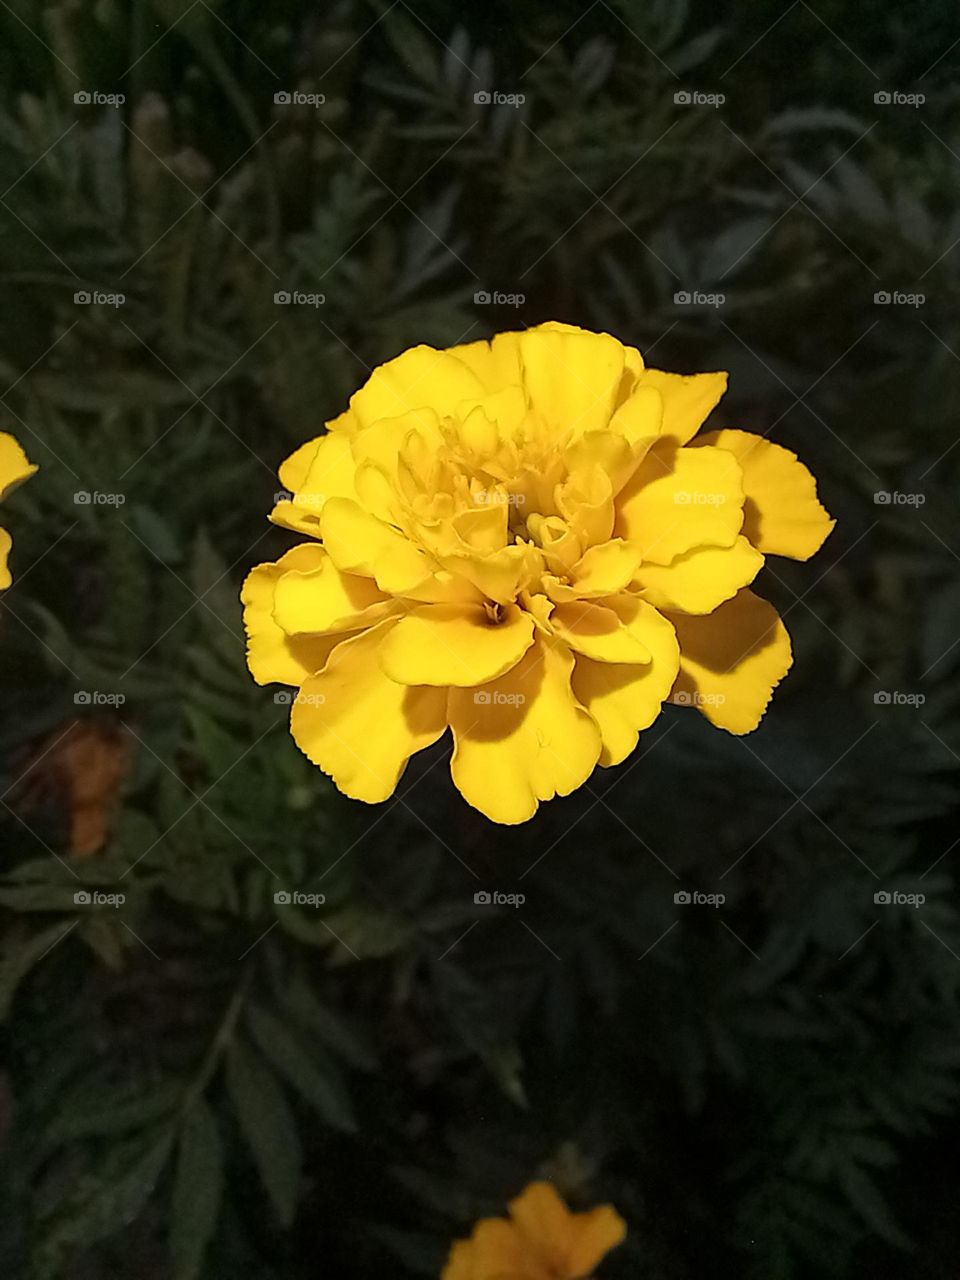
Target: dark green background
<point>199,1084</point>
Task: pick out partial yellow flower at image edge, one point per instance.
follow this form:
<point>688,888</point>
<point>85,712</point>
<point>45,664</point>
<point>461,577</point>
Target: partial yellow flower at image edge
<point>527,542</point>
<point>14,469</point>
<point>541,1240</point>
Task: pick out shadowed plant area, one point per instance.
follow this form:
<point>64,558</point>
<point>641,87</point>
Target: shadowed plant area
<point>252,1027</point>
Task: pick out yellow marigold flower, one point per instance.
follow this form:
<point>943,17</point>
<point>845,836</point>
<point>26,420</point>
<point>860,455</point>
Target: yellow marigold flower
<point>14,469</point>
<point>542,1240</point>
<point>522,540</point>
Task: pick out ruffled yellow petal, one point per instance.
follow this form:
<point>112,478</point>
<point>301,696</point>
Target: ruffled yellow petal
<point>678,499</point>
<point>624,700</point>
<point>701,579</point>
<point>322,598</point>
<point>360,543</point>
<point>782,515</point>
<point>459,1264</point>
<point>688,399</point>
<point>597,632</point>
<point>545,1223</point>
<point>731,661</point>
<point>358,725</point>
<point>594,1234</point>
<point>15,467</point>
<point>329,474</point>
<point>293,470</point>
<point>496,363</point>
<point>522,738</point>
<point>6,542</point>
<point>455,645</point>
<point>501,1253</point>
<point>603,571</point>
<point>272,656</point>
<point>641,416</point>
<point>420,378</point>
<point>571,377</point>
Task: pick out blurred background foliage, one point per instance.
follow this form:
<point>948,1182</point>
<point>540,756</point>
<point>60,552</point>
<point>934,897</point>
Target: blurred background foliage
<point>201,1082</point>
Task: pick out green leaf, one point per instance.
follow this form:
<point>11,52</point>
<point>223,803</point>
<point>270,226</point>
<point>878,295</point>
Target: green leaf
<point>329,1026</point>
<point>99,1203</point>
<point>309,1071</point>
<point>268,1125</point>
<point>197,1191</point>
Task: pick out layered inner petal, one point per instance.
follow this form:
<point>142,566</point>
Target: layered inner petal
<point>678,499</point>
<point>701,579</point>
<point>624,700</point>
<point>455,645</point>
<point>359,726</point>
<point>322,598</point>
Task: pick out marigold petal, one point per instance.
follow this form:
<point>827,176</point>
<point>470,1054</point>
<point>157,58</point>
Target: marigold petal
<point>594,1233</point>
<point>603,571</point>
<point>6,543</point>
<point>293,470</point>
<point>571,377</point>
<point>495,363</point>
<point>329,475</point>
<point>15,467</point>
<point>355,539</point>
<point>688,399</point>
<point>322,598</point>
<point>624,700</point>
<point>272,656</point>
<point>782,515</point>
<point>678,499</point>
<point>545,1223</point>
<point>701,579</point>
<point>510,754</point>
<point>640,416</point>
<point>501,1253</point>
<point>597,632</point>
<point>455,645</point>
<point>359,726</point>
<point>731,660</point>
<point>416,379</point>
